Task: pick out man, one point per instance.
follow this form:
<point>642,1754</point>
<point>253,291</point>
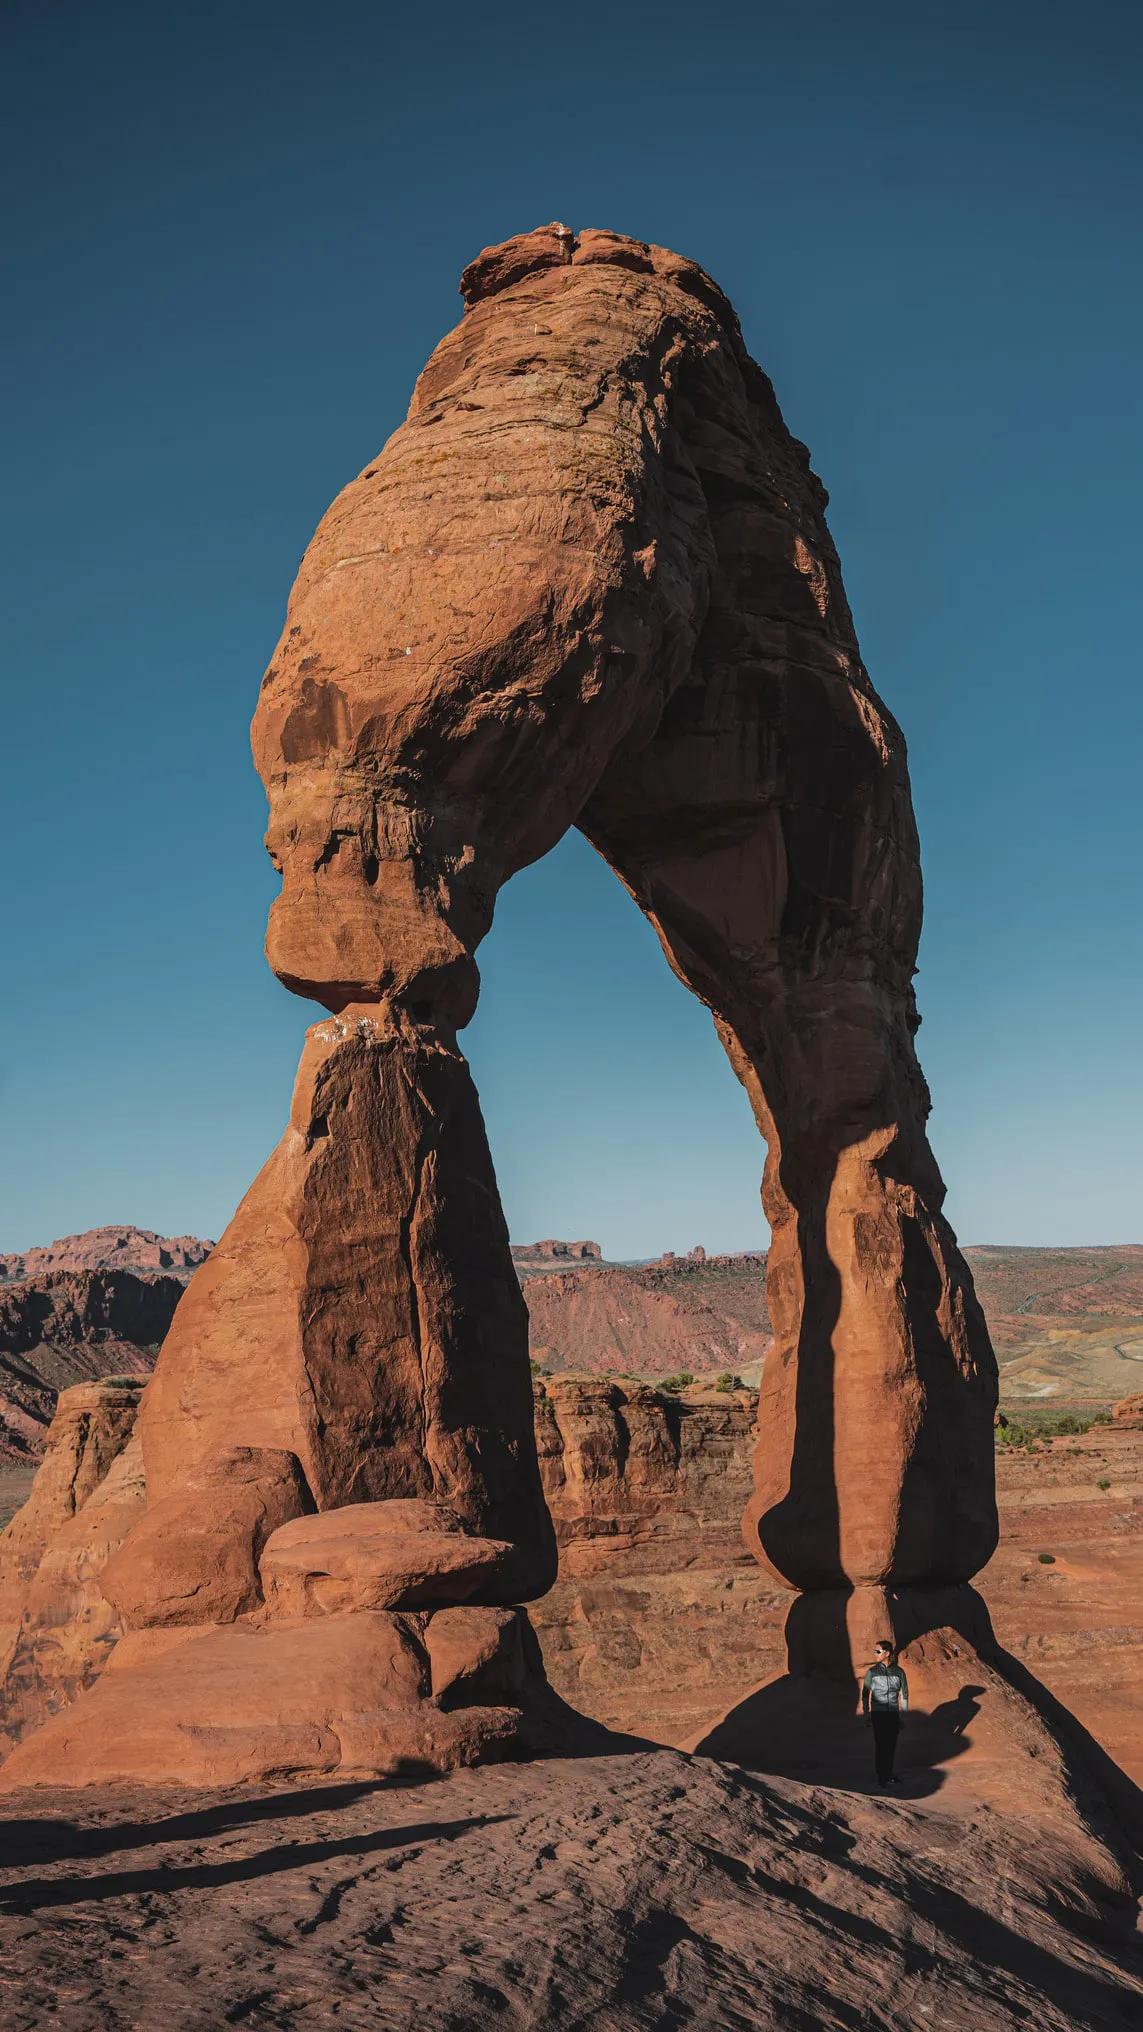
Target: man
<point>885,1698</point>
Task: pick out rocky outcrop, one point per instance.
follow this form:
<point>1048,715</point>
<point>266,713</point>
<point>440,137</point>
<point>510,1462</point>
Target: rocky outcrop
<point>660,1621</point>
<point>57,1627</point>
<point>136,1249</point>
<point>660,1615</point>
<point>361,1311</point>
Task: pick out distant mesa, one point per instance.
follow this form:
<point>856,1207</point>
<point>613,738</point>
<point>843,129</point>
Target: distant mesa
<point>84,1308</point>
<point>122,1248</point>
<point>556,1252</point>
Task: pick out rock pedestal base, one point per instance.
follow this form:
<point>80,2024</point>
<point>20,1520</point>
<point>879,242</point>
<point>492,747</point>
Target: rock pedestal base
<point>359,1694</point>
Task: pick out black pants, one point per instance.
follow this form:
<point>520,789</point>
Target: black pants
<point>886,1729</point>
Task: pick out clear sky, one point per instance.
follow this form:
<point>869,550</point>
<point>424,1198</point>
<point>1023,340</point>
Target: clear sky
<point>236,229</point>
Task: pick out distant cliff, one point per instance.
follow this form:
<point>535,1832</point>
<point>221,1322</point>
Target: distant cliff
<point>698,1313</point>
<point>556,1252</point>
<point>135,1249</point>
<point>73,1327</point>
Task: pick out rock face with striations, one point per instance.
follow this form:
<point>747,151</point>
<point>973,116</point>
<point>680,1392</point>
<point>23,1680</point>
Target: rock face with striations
<point>588,582</point>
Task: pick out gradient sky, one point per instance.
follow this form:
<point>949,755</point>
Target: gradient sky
<point>236,229</point>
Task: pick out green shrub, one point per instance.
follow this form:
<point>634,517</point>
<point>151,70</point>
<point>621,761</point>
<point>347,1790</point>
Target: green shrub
<point>1034,1432</point>
<point>1046,1558</point>
<point>675,1383</point>
<point>729,1381</point>
<point>1105,1485</point>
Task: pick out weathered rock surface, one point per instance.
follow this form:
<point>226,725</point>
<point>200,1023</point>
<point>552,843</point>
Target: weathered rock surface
<point>660,1622</point>
<point>57,1628</point>
<point>361,1311</point>
<point>91,1426</point>
<point>398,1555</point>
<point>136,1249</point>
<point>660,1617</point>
<point>593,557</point>
<point>477,1654</point>
<point>194,1557</point>
<point>348,1694</point>
<point>626,1892</point>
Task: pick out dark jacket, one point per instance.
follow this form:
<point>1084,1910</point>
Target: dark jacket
<point>884,1687</point>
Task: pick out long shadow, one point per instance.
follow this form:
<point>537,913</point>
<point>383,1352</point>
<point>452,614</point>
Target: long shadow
<point>55,1841</point>
<point>964,1925</point>
<point>1091,2000</point>
<point>1100,1784</point>
<point>39,1892</point>
<point>809,1509</point>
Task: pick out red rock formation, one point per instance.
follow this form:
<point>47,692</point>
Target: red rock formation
<point>640,605</point>
<point>361,1311</point>
<point>588,582</point>
<point>57,1627</point>
<point>556,1252</point>
<point>135,1249</point>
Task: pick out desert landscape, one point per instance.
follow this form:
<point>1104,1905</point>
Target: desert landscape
<point>660,1619</point>
<point>293,1901</point>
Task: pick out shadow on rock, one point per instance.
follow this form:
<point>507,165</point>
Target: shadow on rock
<point>44,1891</point>
<point>806,1727</point>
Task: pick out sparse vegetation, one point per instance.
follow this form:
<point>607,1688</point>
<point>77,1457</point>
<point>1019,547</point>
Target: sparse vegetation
<point>729,1381</point>
<point>1046,1558</point>
<point>1105,1485</point>
<point>677,1382</point>
<point>1030,1432</point>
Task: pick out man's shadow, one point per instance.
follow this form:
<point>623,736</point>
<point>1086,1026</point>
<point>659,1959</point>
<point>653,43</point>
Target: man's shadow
<point>809,1727</point>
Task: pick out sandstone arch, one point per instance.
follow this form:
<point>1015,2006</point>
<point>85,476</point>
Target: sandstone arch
<point>589,582</point>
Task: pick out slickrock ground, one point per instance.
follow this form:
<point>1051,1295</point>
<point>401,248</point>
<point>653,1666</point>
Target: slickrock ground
<point>640,1890</point>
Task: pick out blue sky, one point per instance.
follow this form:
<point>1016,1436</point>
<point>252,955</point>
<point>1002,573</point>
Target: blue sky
<point>238,230</point>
